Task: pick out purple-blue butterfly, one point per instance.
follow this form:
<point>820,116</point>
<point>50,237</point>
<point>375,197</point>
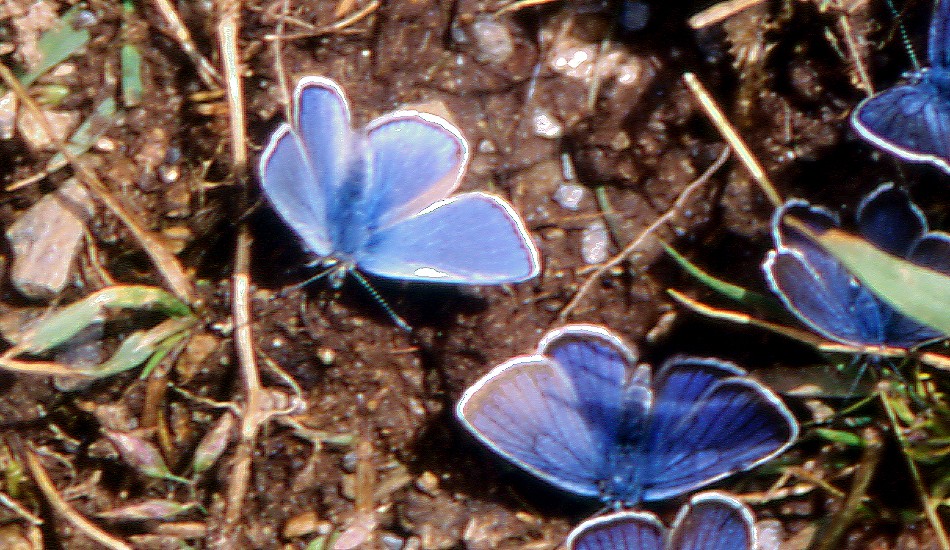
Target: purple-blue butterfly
<point>818,289</point>
<point>710,521</point>
<point>379,199</point>
<point>912,120</point>
<point>582,415</point>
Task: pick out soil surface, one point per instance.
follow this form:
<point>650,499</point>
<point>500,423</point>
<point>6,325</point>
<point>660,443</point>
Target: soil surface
<point>553,99</point>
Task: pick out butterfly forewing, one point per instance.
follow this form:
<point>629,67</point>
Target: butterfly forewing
<point>626,530</point>
<point>713,521</point>
<point>598,364</point>
<point>322,118</point>
<point>416,159</point>
<point>289,184</point>
<point>527,410</point>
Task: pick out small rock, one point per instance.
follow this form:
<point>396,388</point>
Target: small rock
<point>61,123</point>
<point>493,40</point>
<point>595,242</point>
<point>569,195</point>
<point>302,524</point>
<point>46,238</point>
<point>8,107</point>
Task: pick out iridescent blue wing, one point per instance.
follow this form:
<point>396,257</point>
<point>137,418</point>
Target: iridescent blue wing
<point>472,238</point>
<point>322,118</point>
<point>528,411</point>
<point>911,121</point>
<point>416,159</point>
<point>933,251</point>
<point>626,530</point>
<point>291,187</point>
<point>938,47</point>
<point>815,286</point>
<point>889,220</point>
<point>709,421</point>
<point>304,163</point>
<point>713,521</point>
<point>598,364</point>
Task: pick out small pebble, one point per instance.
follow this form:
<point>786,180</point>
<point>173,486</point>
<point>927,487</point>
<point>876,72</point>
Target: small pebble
<point>569,195</point>
<point>595,242</point>
<point>46,238</point>
<point>546,125</point>
<point>493,40</point>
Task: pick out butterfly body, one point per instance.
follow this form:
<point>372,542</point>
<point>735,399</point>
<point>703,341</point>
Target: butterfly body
<point>380,199</point>
<point>582,415</point>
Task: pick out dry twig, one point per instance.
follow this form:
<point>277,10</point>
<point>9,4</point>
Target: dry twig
<point>638,242</point>
<point>735,141</point>
<point>45,484</point>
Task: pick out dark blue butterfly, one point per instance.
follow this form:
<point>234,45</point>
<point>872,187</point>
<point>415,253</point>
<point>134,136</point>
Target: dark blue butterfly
<point>582,415</point>
<point>822,294</point>
<point>710,521</point>
<point>912,121</point>
<point>378,199</point>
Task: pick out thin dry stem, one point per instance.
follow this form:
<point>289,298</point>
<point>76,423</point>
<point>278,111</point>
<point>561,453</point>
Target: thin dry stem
<point>638,242</point>
<point>252,417</point>
<point>719,120</point>
<point>180,33</point>
<point>927,357</point>
<point>45,484</point>
<point>332,28</point>
<point>720,12</point>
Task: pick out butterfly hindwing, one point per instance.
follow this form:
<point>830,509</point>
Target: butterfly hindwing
<point>527,410</point>
<point>713,521</point>
<point>624,530</point>
<point>472,238</point>
<point>416,159</point>
<point>290,185</point>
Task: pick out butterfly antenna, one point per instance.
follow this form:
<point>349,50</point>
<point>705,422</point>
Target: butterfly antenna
<point>315,278</point>
<point>400,322</point>
<point>857,380</point>
<point>902,30</point>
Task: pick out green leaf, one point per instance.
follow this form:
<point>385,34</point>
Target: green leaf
<point>840,436</point>
<point>58,44</point>
<point>918,292</point>
<point>70,320</point>
<point>131,63</point>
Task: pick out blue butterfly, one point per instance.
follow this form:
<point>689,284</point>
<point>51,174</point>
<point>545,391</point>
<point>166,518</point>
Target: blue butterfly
<point>710,521</point>
<point>380,199</point>
<point>912,121</point>
<point>581,415</point>
<point>818,290</point>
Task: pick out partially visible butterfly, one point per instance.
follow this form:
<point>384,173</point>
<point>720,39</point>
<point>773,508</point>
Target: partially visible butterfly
<point>912,120</point>
<point>710,521</point>
<point>581,415</point>
<point>818,289</point>
<point>379,199</point>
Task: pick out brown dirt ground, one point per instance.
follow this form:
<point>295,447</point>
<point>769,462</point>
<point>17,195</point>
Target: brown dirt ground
<point>644,141</point>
